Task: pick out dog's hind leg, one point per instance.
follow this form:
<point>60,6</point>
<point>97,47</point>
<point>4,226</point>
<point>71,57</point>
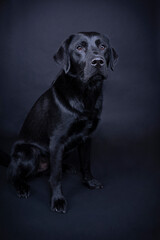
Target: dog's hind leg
<point>23,164</point>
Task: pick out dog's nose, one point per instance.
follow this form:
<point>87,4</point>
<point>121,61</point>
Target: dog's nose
<point>97,62</point>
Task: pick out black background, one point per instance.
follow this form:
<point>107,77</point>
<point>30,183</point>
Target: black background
<point>125,145</point>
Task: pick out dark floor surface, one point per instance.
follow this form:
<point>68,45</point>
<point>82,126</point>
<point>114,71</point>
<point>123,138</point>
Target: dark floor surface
<point>127,207</point>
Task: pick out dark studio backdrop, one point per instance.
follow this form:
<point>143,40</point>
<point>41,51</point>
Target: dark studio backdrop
<point>125,145</point>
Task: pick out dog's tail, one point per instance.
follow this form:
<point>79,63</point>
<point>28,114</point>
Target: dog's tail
<point>4,159</point>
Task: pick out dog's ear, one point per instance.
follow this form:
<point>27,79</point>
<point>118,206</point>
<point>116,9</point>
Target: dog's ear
<point>62,56</point>
<point>112,58</point>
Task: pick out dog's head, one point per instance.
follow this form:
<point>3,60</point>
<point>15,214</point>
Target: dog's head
<point>86,55</point>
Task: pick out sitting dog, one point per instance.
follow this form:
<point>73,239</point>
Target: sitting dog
<point>64,117</point>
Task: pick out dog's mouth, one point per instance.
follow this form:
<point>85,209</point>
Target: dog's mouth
<point>98,75</point>
<point>96,79</point>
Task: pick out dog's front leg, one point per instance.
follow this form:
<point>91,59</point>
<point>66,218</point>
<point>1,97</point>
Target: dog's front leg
<point>58,202</point>
<point>85,165</point>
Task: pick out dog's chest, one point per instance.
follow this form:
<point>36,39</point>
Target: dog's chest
<point>87,122</point>
<point>79,131</point>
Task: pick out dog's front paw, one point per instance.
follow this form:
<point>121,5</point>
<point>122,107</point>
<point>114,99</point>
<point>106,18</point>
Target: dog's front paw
<point>93,183</point>
<point>59,205</point>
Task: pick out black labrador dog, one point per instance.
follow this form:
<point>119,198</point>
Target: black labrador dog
<point>64,117</point>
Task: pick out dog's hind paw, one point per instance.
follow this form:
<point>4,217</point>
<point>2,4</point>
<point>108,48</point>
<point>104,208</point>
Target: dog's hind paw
<point>23,191</point>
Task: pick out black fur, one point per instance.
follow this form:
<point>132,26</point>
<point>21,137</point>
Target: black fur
<point>64,117</point>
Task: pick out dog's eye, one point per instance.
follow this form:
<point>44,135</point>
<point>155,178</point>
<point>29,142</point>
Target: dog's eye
<point>102,47</point>
<point>79,48</point>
